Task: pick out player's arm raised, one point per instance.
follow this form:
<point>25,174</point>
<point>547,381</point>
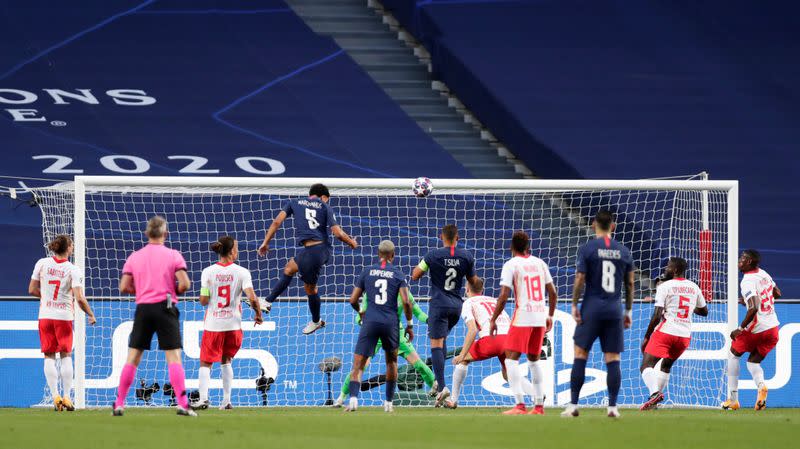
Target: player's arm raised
<point>408,310</point>
<point>505,292</point>
<point>339,233</point>
<point>577,291</point>
<point>273,228</point>
<point>77,293</point>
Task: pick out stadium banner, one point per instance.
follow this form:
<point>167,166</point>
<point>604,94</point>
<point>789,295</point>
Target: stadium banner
<point>274,347</point>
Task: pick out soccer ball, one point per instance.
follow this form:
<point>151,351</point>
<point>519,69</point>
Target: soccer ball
<point>422,187</point>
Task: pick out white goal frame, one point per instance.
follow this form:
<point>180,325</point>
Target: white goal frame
<point>81,183</point>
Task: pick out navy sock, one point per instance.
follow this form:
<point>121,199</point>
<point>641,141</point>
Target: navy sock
<point>613,380</point>
<point>314,304</point>
<point>576,378</point>
<point>437,355</point>
<point>391,385</point>
<point>355,388</point>
<point>280,287</point>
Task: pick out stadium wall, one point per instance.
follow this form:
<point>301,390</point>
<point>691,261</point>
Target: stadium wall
<point>303,383</point>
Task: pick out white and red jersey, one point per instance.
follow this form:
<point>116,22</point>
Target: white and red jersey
<point>679,297</point>
<point>527,275</point>
<point>225,284</point>
<point>759,283</point>
<point>57,278</point>
<point>480,309</point>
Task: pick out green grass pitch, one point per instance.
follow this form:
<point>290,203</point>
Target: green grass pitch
<point>408,428</point>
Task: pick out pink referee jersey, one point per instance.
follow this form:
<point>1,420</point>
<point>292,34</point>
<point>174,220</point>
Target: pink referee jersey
<point>153,269</point>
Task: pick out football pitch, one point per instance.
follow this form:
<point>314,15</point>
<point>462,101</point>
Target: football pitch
<point>405,428</point>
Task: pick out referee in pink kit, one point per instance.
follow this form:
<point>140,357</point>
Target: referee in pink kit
<point>156,275</point>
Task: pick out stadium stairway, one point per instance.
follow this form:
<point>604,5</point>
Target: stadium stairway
<point>399,65</point>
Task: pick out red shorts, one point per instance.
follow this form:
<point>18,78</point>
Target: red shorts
<point>762,342</point>
<point>55,335</point>
<point>525,340</point>
<point>666,346</point>
<point>488,347</point>
<point>218,345</point>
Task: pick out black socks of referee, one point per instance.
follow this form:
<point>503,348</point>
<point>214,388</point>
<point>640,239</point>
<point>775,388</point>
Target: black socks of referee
<point>314,305</point>
<point>280,287</point>
<point>613,381</point>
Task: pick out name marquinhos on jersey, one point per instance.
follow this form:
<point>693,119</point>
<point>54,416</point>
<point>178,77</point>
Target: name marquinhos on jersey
<point>604,253</point>
<point>382,273</point>
<point>313,204</point>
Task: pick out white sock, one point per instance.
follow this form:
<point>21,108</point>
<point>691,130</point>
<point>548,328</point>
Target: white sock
<point>459,374</point>
<point>514,380</point>
<point>536,379</point>
<point>663,380</point>
<point>227,383</point>
<point>650,381</point>
<point>527,387</point>
<point>757,372</point>
<point>204,376</point>
<point>733,377</point>
<point>51,376</point>
<point>66,376</point>
<point>353,403</point>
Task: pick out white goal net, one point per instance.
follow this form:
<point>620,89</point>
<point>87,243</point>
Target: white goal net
<point>279,366</point>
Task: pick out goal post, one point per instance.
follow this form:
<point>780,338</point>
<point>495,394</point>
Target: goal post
<point>695,219</point>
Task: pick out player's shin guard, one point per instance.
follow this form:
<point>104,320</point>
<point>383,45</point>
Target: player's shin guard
<point>227,382</point>
<point>459,374</point>
<point>391,386</point>
<point>614,381</point>
<point>204,378</point>
<point>314,305</point>
<point>125,381</point>
<point>177,378</point>
<point>66,377</point>
<point>662,379</point>
<point>576,379</point>
<point>355,388</point>
<point>437,356</point>
<point>51,376</point>
<point>514,380</point>
<point>424,371</point>
<point>733,377</point>
<point>280,287</point>
<point>757,372</point>
<point>536,379</point>
<point>650,380</point>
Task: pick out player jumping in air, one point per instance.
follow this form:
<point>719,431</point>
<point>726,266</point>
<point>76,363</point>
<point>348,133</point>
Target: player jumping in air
<point>56,281</point>
<point>758,333</point>
<point>312,219</point>
<point>530,278</point>
<point>448,267</point>
<point>156,275</point>
<point>383,283</point>
<point>221,289</point>
<point>406,349</point>
<point>670,329</point>
<point>603,265</point>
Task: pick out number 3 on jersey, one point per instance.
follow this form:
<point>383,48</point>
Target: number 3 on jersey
<point>381,285</point>
<point>609,270</point>
<point>311,217</point>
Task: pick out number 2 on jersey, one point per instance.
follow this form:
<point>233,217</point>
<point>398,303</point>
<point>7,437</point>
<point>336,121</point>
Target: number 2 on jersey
<point>450,279</point>
<point>381,285</point>
<point>311,217</point>
<point>609,270</point>
<point>224,292</point>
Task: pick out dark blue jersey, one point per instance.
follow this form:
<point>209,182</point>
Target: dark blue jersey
<point>605,262</point>
<point>447,268</point>
<point>312,219</point>
<point>381,283</point>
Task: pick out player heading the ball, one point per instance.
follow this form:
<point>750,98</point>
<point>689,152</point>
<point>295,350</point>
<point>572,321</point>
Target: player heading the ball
<point>383,283</point>
<point>58,284</point>
<point>758,333</point>
<point>312,219</point>
<point>603,266</point>
<point>221,289</point>
<point>670,328</point>
<point>156,275</point>
<point>530,278</point>
<point>448,266</point>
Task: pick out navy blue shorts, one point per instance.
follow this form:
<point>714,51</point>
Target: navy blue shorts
<point>441,320</point>
<point>310,260</point>
<point>608,331</point>
<point>370,333</point>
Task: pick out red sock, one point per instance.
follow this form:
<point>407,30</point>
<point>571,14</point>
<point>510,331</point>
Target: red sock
<point>125,382</point>
<point>178,380</point>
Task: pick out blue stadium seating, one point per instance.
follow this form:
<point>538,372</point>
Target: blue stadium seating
<point>616,89</point>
